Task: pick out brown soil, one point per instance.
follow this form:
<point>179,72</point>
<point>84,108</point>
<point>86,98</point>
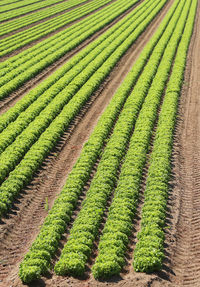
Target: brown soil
<point>19,229</point>
<point>186,255</point>
<point>14,97</point>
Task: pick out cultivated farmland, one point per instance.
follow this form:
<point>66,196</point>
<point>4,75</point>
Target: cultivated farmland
<point>99,143</point>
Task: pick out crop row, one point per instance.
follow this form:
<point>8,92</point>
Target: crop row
<point>15,5</point>
<point>78,248</point>
<point>129,182</point>
<point>67,200</point>
<point>23,10</point>
<point>75,254</point>
<point>73,73</point>
<point>21,39</point>
<point>9,134</point>
<point>58,115</point>
<point>49,88</point>
<point>24,66</point>
<point>15,24</point>
<point>70,77</point>
<point>37,261</point>
<point>26,20</point>
<point>149,250</point>
<point>6,2</point>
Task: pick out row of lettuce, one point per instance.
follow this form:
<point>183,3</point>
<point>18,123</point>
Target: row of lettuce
<point>35,261</point>
<point>26,110</point>
<point>131,175</point>
<point>16,5</point>
<point>18,69</point>
<point>75,253</point>
<point>6,2</point>
<point>38,98</point>
<point>149,75</point>
<point>27,36</point>
<point>13,4</point>
<point>9,13</point>
<point>26,153</point>
<point>149,249</point>
<point>32,18</point>
<point>59,88</point>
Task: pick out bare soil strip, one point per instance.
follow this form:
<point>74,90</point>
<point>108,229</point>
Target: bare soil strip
<point>186,255</point>
<point>7,103</point>
<point>22,225</point>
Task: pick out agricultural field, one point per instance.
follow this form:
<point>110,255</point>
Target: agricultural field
<point>99,143</point>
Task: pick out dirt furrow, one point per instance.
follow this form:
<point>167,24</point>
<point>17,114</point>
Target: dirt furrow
<point>20,228</point>
<point>186,255</point>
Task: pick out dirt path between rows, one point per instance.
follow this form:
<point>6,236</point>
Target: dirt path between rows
<point>186,257</point>
<point>21,227</point>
